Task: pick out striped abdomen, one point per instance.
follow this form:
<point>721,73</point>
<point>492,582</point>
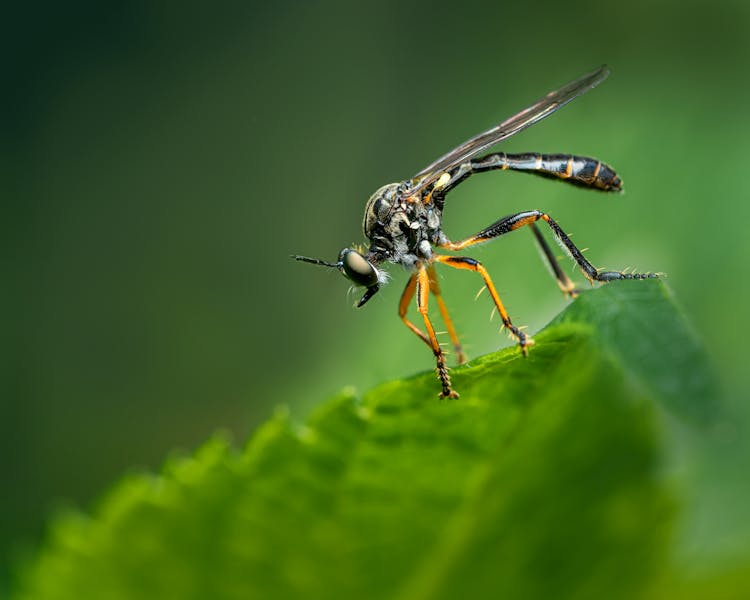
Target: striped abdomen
<point>578,170</point>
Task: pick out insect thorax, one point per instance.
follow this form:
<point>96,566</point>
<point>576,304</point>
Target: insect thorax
<point>401,229</point>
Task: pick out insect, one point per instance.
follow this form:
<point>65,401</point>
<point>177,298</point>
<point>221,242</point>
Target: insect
<point>403,222</point>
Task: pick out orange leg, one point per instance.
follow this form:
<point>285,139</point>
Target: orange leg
<point>403,307</point>
<point>421,284</point>
<point>423,293</point>
<point>435,289</point>
<point>462,262</point>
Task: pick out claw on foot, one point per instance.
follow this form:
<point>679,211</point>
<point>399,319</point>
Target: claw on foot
<point>525,345</point>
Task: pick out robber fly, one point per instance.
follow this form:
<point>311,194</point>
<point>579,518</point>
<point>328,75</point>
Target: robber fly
<point>403,222</point>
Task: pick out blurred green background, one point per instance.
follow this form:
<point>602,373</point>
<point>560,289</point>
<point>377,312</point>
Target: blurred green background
<point>161,161</point>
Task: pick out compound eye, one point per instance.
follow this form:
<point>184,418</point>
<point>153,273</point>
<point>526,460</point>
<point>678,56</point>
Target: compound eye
<point>357,268</point>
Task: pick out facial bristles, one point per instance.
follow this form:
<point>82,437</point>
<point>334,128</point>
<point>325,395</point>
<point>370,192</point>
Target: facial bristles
<point>383,276</point>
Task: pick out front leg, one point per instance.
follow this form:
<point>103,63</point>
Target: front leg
<point>423,293</point>
<point>420,283</point>
<point>435,289</point>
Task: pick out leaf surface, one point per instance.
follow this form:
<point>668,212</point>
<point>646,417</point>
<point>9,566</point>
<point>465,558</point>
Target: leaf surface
<point>548,478</point>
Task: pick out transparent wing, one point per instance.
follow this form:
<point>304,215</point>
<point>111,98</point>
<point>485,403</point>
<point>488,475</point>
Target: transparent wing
<point>511,126</point>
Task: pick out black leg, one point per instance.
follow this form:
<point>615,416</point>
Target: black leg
<point>567,287</point>
<point>513,222</point>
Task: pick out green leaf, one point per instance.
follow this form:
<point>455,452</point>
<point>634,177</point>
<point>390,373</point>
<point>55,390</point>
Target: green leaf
<point>647,334</point>
<point>552,477</point>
